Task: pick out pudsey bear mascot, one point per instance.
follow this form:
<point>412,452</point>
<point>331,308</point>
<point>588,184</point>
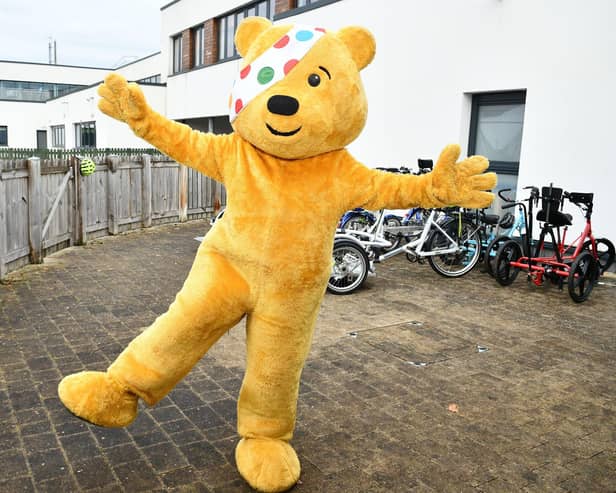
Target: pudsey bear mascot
<point>297,102</point>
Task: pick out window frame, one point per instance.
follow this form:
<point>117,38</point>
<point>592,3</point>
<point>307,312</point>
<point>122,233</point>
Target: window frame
<point>177,47</point>
<point>198,45</point>
<point>58,136</point>
<point>493,99</point>
<point>226,46</point>
<point>79,127</point>
<point>4,129</point>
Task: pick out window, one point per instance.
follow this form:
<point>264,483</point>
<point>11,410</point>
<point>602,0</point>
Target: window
<point>497,121</point>
<point>152,79</point>
<point>57,136</point>
<point>177,54</point>
<point>198,46</point>
<point>16,90</point>
<point>85,134</point>
<point>4,135</point>
<point>228,23</point>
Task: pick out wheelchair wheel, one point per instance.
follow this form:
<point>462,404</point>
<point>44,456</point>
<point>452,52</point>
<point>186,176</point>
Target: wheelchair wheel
<point>491,251</point>
<point>350,267</point>
<point>504,272</point>
<point>605,253</point>
<point>582,276</point>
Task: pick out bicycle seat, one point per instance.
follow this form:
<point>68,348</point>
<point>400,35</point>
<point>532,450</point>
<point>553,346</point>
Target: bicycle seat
<point>491,219</point>
<point>551,200</point>
<point>556,218</point>
<point>507,220</point>
<point>581,198</point>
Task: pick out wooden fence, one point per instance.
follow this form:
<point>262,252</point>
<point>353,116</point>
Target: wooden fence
<point>46,205</point>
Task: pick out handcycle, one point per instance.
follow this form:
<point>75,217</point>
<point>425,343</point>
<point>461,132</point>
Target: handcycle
<point>577,262</point>
<point>451,247</point>
<point>510,226</point>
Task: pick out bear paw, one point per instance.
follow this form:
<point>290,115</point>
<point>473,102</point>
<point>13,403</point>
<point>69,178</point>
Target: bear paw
<point>267,464</point>
<point>97,398</point>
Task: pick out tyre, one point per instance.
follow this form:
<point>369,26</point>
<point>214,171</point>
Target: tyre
<point>350,267</point>
<point>458,263</point>
<point>394,238</point>
<point>605,253</point>
<point>357,222</point>
<point>490,253</point>
<point>582,276</point>
<point>504,272</point>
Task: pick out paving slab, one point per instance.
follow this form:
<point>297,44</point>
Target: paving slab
<point>415,383</point>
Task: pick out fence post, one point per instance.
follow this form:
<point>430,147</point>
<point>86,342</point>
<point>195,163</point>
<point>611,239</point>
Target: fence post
<point>3,231</point>
<point>112,195</point>
<point>183,182</point>
<point>80,205</point>
<point>146,191</point>
<point>34,210</point>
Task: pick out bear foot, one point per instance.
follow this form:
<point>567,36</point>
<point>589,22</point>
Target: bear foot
<point>99,399</point>
<point>267,464</point>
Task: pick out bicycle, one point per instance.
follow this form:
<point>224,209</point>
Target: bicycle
<point>581,268</point>
<point>452,249</point>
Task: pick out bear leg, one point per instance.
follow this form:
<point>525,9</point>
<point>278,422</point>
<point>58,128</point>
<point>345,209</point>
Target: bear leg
<point>213,299</point>
<point>278,341</point>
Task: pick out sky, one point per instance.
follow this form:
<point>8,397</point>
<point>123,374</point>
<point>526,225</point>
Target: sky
<point>104,33</point>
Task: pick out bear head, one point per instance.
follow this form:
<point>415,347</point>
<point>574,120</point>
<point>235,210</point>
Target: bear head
<point>299,93</point>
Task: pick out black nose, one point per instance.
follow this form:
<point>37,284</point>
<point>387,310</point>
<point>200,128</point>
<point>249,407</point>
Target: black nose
<point>283,105</point>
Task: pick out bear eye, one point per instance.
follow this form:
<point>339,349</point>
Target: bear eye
<point>314,80</point>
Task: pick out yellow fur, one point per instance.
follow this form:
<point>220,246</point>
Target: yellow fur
<point>267,259</point>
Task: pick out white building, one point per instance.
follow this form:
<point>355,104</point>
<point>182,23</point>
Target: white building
<point>528,83</point>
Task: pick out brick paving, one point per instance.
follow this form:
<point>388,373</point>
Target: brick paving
<point>396,395</point>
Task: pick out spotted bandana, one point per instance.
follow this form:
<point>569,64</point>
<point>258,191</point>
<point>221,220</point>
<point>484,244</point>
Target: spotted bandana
<point>272,66</point>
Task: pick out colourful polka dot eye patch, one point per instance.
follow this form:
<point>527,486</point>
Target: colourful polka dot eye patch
<point>272,66</point>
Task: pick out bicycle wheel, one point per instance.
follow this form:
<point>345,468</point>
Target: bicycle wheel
<point>504,272</point>
<point>605,253</point>
<point>458,263</point>
<point>350,267</point>
<point>490,253</point>
<point>582,276</point>
<point>394,238</point>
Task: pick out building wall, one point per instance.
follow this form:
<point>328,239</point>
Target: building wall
<point>23,119</point>
<point>82,106</point>
<point>42,72</point>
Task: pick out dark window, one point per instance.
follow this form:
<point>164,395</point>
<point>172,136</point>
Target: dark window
<point>4,135</point>
<point>85,134</point>
<point>177,54</point>
<point>198,46</point>
<point>17,90</point>
<point>497,121</point>
<point>152,79</point>
<point>228,23</point>
<point>57,136</point>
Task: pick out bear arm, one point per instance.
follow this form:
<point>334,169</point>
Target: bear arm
<point>205,152</point>
<point>374,189</point>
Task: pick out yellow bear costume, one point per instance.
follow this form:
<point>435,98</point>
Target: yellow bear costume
<point>266,259</point>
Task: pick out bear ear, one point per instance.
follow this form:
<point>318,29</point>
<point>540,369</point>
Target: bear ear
<point>248,30</point>
<point>360,43</point>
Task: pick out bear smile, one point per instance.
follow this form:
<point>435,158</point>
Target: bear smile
<point>282,134</point>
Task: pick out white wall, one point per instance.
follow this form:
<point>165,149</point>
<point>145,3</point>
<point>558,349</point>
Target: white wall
<point>22,120</point>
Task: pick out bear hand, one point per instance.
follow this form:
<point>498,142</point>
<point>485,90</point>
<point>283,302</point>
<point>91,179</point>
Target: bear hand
<point>122,100</point>
<point>464,183</point>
